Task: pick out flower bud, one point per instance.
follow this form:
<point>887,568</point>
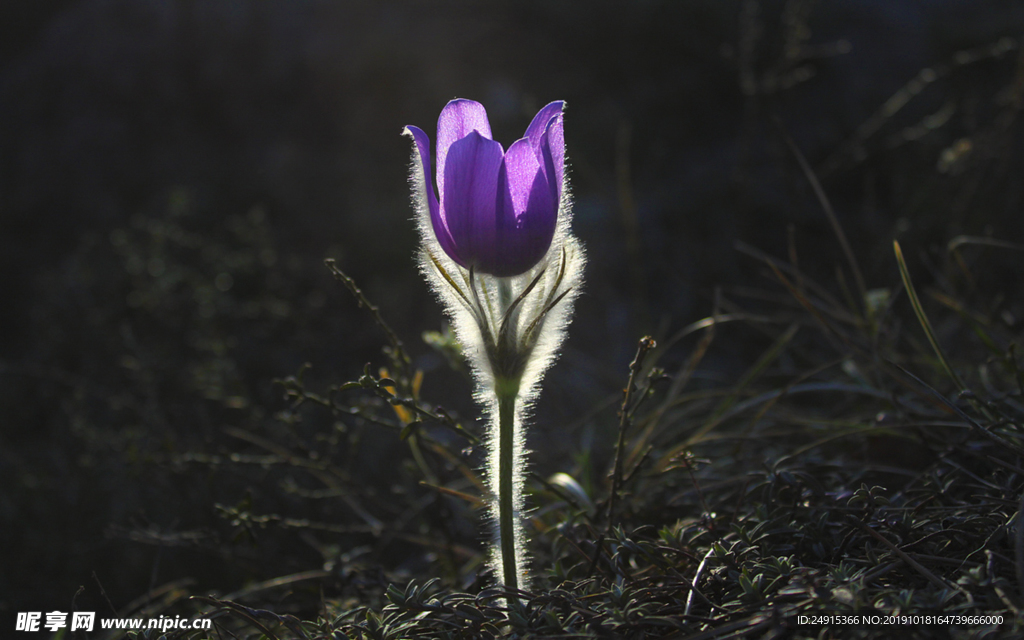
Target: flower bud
<point>498,210</point>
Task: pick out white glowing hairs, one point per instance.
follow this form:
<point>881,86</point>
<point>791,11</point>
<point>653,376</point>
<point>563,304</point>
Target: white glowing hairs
<point>510,327</point>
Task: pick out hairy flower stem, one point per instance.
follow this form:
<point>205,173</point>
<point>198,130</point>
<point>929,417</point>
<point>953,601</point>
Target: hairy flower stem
<point>504,293</point>
<point>507,518</point>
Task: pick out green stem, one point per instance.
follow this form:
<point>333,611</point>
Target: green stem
<point>506,486</point>
<point>504,294</point>
<point>421,462</point>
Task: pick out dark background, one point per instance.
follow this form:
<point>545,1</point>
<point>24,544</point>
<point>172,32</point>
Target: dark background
<point>172,175</point>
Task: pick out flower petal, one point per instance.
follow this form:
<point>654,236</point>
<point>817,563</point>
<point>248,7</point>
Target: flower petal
<point>423,185</point>
<point>457,120</point>
<point>553,153</point>
<point>528,211</point>
<point>470,195</point>
<point>540,122</point>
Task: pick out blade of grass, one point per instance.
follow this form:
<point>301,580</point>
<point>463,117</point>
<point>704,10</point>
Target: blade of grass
<point>1018,546</point>
<point>739,407</point>
<point>473,501</point>
<point>810,307</point>
<point>986,433</point>
<point>756,370</point>
<point>955,243</point>
<point>806,283</point>
<point>941,583</point>
<point>830,213</point>
<point>926,324</point>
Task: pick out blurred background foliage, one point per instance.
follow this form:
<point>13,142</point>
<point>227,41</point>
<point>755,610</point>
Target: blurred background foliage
<point>173,174</point>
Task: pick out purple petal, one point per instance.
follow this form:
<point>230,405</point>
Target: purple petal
<point>423,148</point>
<point>528,212</point>
<point>541,120</point>
<point>457,120</point>
<point>469,197</point>
<point>521,170</point>
<point>553,152</point>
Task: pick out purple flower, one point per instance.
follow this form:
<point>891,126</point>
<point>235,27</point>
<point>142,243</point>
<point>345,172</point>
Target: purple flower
<point>498,209</point>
